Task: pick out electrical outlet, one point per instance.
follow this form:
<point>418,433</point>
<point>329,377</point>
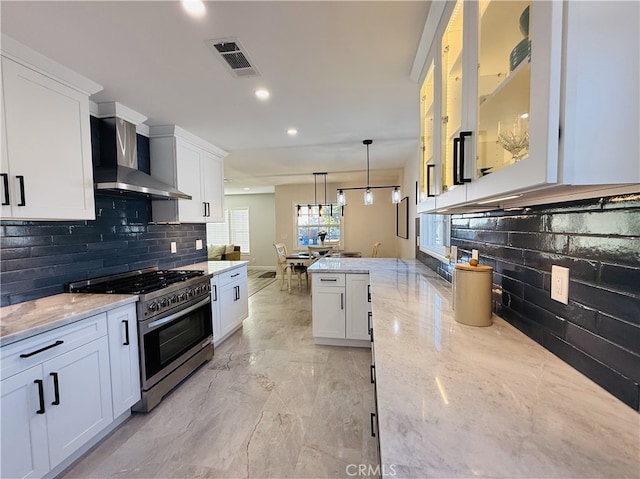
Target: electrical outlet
<point>198,244</point>
<point>174,247</point>
<point>560,284</point>
<point>474,254</point>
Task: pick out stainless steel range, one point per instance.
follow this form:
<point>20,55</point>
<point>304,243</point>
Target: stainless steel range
<point>174,324</point>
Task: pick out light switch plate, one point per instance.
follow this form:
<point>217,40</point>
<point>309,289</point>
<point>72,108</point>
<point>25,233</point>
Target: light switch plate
<point>174,247</point>
<point>560,284</point>
<point>474,254</point>
<point>198,244</point>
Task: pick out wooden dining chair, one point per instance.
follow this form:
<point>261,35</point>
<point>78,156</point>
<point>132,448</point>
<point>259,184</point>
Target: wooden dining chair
<point>283,264</point>
<point>289,268</point>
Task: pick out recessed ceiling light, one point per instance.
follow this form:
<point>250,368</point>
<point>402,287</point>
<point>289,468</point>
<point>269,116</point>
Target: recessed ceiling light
<point>246,189</point>
<point>194,7</point>
<point>262,93</point>
<point>292,132</point>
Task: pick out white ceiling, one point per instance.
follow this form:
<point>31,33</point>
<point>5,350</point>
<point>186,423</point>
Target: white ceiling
<point>338,71</point>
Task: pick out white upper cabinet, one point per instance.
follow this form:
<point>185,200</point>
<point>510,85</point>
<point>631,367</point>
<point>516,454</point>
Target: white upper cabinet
<point>194,167</point>
<point>46,170</point>
<point>523,102</point>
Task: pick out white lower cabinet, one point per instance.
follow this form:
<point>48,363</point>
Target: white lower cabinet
<point>340,309</point>
<point>56,396</point>
<point>123,356</point>
<point>78,399</point>
<point>229,302</point>
<point>25,451</point>
<point>62,390</point>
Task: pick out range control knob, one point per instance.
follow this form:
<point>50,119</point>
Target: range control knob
<point>197,289</point>
<point>174,299</point>
<point>189,292</point>
<point>164,302</point>
<point>153,307</point>
<point>182,297</point>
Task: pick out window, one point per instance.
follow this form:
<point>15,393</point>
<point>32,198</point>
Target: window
<point>435,231</point>
<point>309,223</point>
<point>234,230</point>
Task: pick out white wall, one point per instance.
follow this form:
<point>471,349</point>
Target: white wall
<point>406,247</point>
<point>262,227</point>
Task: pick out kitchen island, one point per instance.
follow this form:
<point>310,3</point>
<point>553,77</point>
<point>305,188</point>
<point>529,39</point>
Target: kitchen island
<point>464,401</point>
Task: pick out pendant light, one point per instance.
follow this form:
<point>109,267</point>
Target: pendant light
<point>321,207</point>
<point>368,194</point>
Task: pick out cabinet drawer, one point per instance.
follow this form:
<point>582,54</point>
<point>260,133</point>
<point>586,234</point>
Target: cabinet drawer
<point>327,279</point>
<point>233,275</point>
<point>42,347</point>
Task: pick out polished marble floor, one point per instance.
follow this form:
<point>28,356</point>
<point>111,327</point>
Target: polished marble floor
<point>270,404</point>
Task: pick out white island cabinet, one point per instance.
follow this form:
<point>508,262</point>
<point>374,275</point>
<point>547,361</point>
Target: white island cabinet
<point>194,167</point>
<point>56,396</point>
<point>46,170</point>
<point>340,309</point>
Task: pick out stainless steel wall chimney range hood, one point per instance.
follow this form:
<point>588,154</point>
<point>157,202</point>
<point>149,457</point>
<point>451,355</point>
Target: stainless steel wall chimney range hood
<point>118,165</point>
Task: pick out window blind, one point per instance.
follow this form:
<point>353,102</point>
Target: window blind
<point>240,228</point>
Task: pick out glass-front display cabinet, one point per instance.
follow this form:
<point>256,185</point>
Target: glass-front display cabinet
<point>531,97</point>
<point>504,85</point>
<point>451,94</point>
<point>427,164</point>
<point>492,138</point>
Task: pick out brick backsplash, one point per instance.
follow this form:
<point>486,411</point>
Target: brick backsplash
<point>598,332</point>
<point>37,258</point>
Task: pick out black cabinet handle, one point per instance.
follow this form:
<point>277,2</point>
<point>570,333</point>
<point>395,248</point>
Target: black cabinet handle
<point>204,206</point>
<point>40,395</point>
<point>369,293</point>
<point>215,292</point>
<point>208,209</point>
<point>234,275</point>
<point>21,181</point>
<point>56,389</point>
<point>126,332</point>
<point>461,177</point>
<point>341,300</point>
<point>373,416</point>
<point>28,355</point>
<point>372,373</point>
<point>371,334</point>
<point>369,314</point>
<point>332,280</point>
<point>5,184</point>
<point>429,168</point>
<point>456,169</point>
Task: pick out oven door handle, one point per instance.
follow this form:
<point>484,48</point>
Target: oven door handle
<point>182,312</point>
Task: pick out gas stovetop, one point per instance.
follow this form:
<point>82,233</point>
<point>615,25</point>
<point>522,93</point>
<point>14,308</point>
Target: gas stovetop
<point>133,282</point>
<point>159,291</point>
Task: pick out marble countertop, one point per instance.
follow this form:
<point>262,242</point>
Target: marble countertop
<point>465,401</point>
<point>23,320</point>
<point>214,267</point>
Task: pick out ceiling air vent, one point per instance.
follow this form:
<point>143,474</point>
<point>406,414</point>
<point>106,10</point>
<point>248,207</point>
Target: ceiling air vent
<point>234,56</point>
